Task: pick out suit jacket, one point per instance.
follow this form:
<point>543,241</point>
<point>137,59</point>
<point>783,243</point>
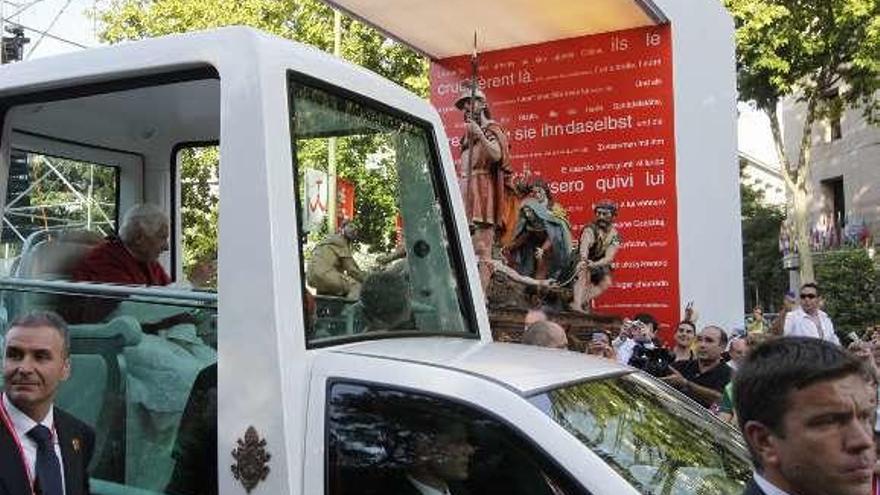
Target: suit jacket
<point>77,441</point>
<point>753,489</point>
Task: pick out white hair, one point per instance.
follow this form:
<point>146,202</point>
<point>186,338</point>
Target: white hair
<point>145,218</point>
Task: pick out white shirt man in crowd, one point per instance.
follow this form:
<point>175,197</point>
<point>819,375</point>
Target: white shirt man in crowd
<point>808,320</point>
<point>638,331</point>
<point>737,349</point>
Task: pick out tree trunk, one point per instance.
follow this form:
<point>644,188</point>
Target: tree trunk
<point>804,194</point>
<point>801,210</point>
<point>799,185</point>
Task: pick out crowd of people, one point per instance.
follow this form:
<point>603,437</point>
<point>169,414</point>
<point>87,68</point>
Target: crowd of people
<point>701,363</point>
<point>806,407</point>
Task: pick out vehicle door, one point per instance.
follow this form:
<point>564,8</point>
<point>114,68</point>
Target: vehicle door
<point>383,426</point>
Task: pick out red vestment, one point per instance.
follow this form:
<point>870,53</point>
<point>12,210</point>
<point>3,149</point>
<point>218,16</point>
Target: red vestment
<point>111,262</point>
<point>108,262</point>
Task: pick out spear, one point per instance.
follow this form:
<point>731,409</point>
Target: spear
<point>470,161</point>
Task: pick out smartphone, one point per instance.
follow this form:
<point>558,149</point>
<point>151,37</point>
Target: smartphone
<point>599,337</point>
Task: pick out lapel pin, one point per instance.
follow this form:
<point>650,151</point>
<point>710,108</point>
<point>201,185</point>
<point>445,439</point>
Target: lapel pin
<point>75,444</point>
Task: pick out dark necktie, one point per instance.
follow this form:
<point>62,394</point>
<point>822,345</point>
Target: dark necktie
<point>48,469</point>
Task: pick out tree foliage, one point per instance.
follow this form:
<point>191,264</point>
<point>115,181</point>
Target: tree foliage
<point>827,54</point>
<point>850,283</point>
<point>306,21</point>
<point>376,186</point>
<point>199,204</point>
<point>765,279</point>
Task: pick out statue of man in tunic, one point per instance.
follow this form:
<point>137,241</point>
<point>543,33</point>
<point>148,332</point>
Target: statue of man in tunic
<point>597,248</point>
<point>484,175</point>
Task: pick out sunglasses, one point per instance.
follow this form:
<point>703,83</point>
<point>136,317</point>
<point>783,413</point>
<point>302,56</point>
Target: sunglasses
<point>809,296</point>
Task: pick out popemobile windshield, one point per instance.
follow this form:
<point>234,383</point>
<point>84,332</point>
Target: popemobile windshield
<point>230,376</point>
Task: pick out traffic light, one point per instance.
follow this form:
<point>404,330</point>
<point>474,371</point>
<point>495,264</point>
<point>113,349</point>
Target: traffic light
<point>13,46</point>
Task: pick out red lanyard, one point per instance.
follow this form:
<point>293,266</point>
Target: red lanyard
<point>7,421</point>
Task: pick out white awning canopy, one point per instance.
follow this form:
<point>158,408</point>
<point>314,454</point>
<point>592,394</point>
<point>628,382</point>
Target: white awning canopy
<point>442,29</point>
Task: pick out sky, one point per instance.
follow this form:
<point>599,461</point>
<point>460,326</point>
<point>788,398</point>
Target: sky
<point>754,135</point>
<point>73,24</point>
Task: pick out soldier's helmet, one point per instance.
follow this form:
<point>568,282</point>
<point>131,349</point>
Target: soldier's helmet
<point>465,95</point>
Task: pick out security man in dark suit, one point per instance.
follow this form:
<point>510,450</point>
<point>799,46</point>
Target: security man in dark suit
<point>806,408</point>
<point>43,450</point>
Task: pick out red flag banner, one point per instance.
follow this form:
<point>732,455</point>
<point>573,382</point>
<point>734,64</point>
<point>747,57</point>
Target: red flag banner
<point>344,200</point>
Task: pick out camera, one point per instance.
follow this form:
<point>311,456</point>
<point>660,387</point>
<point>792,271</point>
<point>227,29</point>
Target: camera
<point>654,362</point>
<point>631,328</point>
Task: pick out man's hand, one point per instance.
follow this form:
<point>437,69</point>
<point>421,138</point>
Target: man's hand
<point>584,264</point>
<point>173,320</point>
<point>675,379</point>
<point>601,349</point>
<point>473,129</point>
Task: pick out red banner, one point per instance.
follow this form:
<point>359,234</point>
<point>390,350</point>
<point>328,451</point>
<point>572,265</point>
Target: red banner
<point>344,200</point>
<point>592,116</point>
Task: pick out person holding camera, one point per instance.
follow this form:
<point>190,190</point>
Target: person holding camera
<point>703,379</point>
<point>600,345</point>
<point>642,350</point>
<point>638,332</point>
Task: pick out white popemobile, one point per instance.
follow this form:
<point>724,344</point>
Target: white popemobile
<point>306,403</point>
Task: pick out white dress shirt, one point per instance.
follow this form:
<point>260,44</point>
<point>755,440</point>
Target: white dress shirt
<point>767,487</point>
<point>22,424</point>
<point>425,489</point>
<point>799,324</point>
<point>623,347</point>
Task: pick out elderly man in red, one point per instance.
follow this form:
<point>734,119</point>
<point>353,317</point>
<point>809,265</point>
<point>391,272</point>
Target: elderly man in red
<point>132,258</point>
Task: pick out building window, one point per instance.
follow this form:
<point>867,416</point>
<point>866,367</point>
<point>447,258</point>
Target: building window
<point>832,221</point>
<point>834,129</point>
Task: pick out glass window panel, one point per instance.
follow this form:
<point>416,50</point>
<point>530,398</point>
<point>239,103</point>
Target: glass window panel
<point>198,168</point>
<point>377,253</point>
<point>658,442</point>
<point>383,440</point>
<point>55,207</point>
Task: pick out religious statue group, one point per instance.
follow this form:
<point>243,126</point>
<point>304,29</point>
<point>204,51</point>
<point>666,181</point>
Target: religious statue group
<point>517,228</point>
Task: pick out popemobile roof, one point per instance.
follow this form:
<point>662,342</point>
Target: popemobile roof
<point>225,49</point>
<point>527,370</point>
<point>446,29</point>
